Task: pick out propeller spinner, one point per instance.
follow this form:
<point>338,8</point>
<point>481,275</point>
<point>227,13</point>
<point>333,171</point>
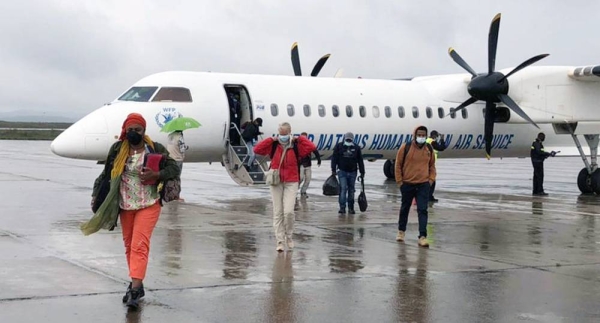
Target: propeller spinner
<point>296,62</point>
<point>492,87</point>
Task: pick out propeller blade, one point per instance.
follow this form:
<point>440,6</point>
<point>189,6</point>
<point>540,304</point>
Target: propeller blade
<point>460,61</point>
<point>319,65</point>
<point>493,43</point>
<point>513,106</point>
<point>523,65</point>
<point>463,105</point>
<point>296,60</point>
<point>488,130</point>
<point>339,73</point>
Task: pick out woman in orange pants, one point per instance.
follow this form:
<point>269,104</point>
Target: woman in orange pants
<point>135,188</point>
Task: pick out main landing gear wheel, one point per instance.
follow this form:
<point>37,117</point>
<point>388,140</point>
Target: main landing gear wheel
<point>388,169</point>
<point>584,182</point>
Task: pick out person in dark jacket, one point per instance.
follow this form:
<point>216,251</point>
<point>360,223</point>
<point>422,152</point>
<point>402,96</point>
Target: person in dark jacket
<point>437,142</point>
<point>305,169</point>
<point>250,137</point>
<point>538,155</point>
<point>346,159</point>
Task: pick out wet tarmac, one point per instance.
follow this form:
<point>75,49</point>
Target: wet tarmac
<point>497,253</point>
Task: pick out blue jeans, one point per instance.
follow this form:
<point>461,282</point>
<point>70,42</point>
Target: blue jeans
<point>409,192</point>
<point>250,155</point>
<point>347,181</point>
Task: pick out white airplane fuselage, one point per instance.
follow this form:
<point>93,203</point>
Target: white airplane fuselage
<point>378,127</point>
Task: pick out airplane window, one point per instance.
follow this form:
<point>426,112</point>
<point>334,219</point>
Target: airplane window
<point>415,111</point>
<point>587,71</point>
<point>376,111</point>
<point>335,111</point>
<point>173,94</point>
<point>452,113</point>
<point>138,94</point>
<point>290,109</point>
<point>306,110</point>
<point>274,110</point>
<point>401,112</point>
<point>441,112</point>
<point>321,110</point>
<point>428,112</point>
<point>465,114</point>
<point>349,111</point>
<point>388,112</point>
<point>362,111</point>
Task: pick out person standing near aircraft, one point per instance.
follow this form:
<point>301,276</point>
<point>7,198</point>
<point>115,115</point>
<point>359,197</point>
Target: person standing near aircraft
<point>235,115</point>
<point>305,169</point>
<point>538,155</point>
<point>285,152</point>
<point>177,147</point>
<point>415,172</point>
<point>250,137</point>
<point>136,203</point>
<point>437,142</point>
<point>346,159</point>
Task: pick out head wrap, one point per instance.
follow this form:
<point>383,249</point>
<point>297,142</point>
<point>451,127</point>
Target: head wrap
<point>132,118</point>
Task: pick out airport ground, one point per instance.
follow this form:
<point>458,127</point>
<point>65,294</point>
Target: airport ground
<point>497,254</point>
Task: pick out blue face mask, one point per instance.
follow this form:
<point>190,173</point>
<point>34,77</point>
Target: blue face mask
<point>348,143</point>
<point>284,138</point>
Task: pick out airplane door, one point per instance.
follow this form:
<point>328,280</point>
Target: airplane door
<point>240,110</point>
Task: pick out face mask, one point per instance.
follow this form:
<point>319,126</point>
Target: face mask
<point>284,138</point>
<point>134,137</point>
<point>348,143</point>
<point>421,140</point>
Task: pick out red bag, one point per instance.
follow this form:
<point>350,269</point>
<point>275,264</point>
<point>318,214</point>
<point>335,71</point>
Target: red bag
<point>152,161</point>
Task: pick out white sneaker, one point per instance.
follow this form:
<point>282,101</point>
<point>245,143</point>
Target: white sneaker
<point>400,236</point>
<point>279,246</point>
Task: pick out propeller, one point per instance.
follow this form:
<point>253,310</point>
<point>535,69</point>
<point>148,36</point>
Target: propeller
<point>296,62</point>
<point>491,87</point>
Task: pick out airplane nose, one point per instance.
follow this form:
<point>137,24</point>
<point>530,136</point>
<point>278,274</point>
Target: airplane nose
<point>86,139</point>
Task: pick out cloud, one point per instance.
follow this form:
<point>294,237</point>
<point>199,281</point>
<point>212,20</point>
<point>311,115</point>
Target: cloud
<point>71,57</point>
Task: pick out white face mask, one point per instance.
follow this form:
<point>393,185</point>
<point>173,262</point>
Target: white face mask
<point>284,138</point>
<point>421,140</point>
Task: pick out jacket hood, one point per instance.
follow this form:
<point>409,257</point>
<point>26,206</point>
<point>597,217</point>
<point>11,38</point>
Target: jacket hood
<point>421,127</point>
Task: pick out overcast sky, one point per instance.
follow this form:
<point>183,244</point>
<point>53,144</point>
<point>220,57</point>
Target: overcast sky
<point>69,57</point>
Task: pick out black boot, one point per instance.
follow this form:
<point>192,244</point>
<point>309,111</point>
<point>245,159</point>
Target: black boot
<point>126,297</point>
<point>135,294</point>
<point>351,209</point>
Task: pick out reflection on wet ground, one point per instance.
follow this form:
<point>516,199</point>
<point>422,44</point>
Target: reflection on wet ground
<point>497,254</point>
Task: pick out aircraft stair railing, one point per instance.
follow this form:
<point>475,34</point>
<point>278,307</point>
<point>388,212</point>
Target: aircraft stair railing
<point>234,162</point>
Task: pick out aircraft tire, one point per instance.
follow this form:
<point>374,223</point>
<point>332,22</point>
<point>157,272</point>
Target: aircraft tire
<point>585,181</point>
<point>595,181</point>
<point>388,169</point>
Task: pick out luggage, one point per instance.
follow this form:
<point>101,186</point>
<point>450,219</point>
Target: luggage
<point>362,197</point>
<point>331,187</point>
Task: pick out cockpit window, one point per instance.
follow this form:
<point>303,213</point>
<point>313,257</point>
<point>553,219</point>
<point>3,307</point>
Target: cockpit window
<point>139,94</point>
<point>173,94</point>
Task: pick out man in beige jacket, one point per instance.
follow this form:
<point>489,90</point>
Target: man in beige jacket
<point>415,172</point>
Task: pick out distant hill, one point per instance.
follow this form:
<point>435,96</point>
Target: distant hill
<point>36,116</point>
<point>34,125</point>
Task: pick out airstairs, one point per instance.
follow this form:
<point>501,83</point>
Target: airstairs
<point>233,161</point>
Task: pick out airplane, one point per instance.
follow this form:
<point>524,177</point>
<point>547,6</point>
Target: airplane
<point>511,107</point>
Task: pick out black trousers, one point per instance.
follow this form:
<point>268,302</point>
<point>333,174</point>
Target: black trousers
<point>538,177</point>
<point>431,190</point>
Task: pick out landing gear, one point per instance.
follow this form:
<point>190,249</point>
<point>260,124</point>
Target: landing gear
<point>389,169</point>
<point>588,180</point>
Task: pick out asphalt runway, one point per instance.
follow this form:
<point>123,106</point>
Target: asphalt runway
<point>497,254</point>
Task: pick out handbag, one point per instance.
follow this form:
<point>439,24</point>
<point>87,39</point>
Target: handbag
<point>331,187</point>
<point>104,185</point>
<point>272,176</point>
<point>362,197</point>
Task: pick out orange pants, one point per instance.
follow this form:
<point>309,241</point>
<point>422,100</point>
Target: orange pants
<point>137,228</point>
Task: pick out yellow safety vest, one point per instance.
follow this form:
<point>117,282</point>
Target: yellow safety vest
<point>435,152</point>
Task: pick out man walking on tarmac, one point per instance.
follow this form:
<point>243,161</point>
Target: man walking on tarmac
<point>415,172</point>
<point>437,142</point>
<point>347,157</point>
<point>538,155</point>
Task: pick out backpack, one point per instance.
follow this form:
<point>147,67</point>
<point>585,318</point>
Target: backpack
<point>407,148</point>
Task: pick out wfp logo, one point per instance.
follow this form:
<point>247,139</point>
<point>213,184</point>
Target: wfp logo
<point>166,115</point>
